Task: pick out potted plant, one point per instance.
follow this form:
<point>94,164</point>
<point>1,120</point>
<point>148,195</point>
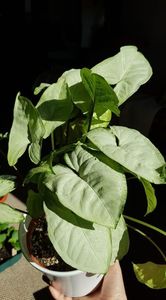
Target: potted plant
<point>79,185</point>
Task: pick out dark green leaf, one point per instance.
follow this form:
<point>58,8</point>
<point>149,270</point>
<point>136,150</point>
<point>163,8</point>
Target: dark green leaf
<point>105,97</point>
<point>55,106</point>
<point>3,237</point>
<point>80,97</point>
<point>88,82</point>
<point>150,195</point>
<point>35,204</point>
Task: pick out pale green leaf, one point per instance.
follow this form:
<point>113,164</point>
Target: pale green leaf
<point>120,240</point>
<point>7,184</point>
<point>18,137</point>
<point>101,121</point>
<point>39,88</point>
<point>150,195</point>
<point>71,77</point>
<point>151,274</point>
<point>27,128</point>
<point>131,149</point>
<point>55,106</point>
<point>9,214</point>
<point>128,69</point>
<point>85,249</point>
<point>102,190</point>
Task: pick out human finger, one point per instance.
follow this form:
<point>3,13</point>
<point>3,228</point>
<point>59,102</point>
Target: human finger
<point>113,284</point>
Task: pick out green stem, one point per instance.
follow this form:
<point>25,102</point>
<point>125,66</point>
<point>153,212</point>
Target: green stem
<point>62,150</point>
<point>52,141</point>
<point>145,224</point>
<point>132,177</point>
<point>90,117</point>
<point>149,239</point>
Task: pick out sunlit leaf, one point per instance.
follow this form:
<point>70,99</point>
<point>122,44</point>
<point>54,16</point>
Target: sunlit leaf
<point>71,77</point>
<point>131,149</point>
<point>84,249</point>
<point>96,192</point>
<point>27,128</point>
<point>128,70</point>
<point>150,195</point>
<point>39,88</point>
<point>120,240</point>
<point>9,214</point>
<point>18,138</point>
<point>7,184</point>
<point>55,106</point>
<point>151,274</point>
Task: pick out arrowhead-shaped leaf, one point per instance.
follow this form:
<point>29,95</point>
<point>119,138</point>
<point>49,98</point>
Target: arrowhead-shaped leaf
<point>128,69</point>
<point>18,138</point>
<point>131,149</point>
<point>85,249</point>
<point>96,193</point>
<point>27,128</point>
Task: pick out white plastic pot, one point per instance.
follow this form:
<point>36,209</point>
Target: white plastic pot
<point>73,283</point>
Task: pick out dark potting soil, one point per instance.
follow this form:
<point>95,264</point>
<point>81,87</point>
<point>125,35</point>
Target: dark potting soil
<point>5,254</point>
<point>43,250</point>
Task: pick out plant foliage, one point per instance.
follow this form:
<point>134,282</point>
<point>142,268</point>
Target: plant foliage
<point>81,181</point>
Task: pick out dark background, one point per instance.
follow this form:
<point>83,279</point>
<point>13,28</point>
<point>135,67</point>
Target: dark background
<point>41,39</point>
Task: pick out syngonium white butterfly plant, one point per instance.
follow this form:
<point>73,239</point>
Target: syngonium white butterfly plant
<point>82,180</point>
